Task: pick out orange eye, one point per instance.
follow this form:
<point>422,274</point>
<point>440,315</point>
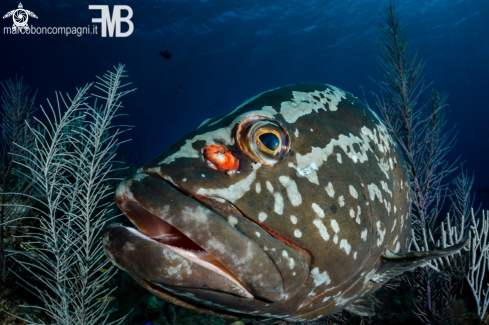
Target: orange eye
<point>219,158</point>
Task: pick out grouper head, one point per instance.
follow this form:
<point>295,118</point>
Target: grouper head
<point>294,205</point>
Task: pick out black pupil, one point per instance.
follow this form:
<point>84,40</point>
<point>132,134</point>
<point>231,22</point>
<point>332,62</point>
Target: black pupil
<point>270,141</point>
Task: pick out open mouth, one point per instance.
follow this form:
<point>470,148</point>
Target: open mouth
<point>174,240</point>
<point>201,242</point>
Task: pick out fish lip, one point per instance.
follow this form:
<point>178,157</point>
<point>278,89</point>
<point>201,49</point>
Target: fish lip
<point>210,262</point>
<point>204,201</point>
<point>146,199</point>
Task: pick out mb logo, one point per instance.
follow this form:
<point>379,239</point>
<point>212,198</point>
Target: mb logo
<point>115,21</point>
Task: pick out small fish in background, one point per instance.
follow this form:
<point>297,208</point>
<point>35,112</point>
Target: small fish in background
<point>84,46</point>
<point>160,76</point>
<point>197,63</point>
<point>179,86</point>
<point>176,92</point>
<point>106,299</point>
<point>165,54</point>
<point>141,91</point>
<point>118,47</point>
<point>134,68</point>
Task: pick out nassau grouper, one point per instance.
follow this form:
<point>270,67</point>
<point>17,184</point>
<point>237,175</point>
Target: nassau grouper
<point>294,205</point>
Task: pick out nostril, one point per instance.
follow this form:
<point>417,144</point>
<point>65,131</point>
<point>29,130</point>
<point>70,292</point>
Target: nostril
<point>220,158</point>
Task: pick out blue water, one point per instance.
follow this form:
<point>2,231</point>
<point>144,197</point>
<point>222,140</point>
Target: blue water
<point>224,52</point>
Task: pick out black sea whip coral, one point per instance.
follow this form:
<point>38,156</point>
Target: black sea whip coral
<point>419,131</point>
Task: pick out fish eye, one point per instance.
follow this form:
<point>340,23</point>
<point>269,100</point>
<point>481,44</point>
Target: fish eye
<point>270,140</point>
<point>266,141</point>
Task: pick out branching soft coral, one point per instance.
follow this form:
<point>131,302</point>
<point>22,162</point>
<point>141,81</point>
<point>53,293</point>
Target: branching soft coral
<point>70,166</point>
<point>17,111</point>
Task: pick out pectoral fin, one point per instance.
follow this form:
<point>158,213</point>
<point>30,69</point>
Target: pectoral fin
<point>362,307</point>
<point>394,264</point>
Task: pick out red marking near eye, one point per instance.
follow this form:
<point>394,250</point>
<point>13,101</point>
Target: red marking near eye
<point>220,158</point>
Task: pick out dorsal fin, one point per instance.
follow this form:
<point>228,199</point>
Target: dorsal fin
<point>362,307</point>
<point>396,263</point>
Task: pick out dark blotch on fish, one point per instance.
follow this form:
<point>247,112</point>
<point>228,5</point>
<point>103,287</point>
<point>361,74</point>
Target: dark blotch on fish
<point>333,208</point>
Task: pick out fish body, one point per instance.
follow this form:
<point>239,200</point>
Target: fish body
<point>165,54</point>
<point>294,205</point>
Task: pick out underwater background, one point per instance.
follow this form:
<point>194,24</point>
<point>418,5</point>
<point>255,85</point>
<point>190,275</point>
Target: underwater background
<point>225,52</point>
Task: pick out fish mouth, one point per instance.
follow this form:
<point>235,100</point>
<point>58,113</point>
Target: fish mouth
<point>200,242</point>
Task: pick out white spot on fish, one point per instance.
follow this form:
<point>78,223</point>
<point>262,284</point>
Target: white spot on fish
<point>262,216</point>
<point>293,219</point>
<point>291,111</point>
<point>344,244</point>
<point>320,278</point>
<point>353,192</point>
<point>269,187</point>
<point>269,109</point>
<point>203,175</point>
<point>374,191</point>
<point>335,238</point>
<point>296,133</point>
<point>236,190</point>
<point>338,157</point>
<point>297,233</point>
<point>322,229</point>
<point>318,210</point>
<point>292,191</point>
<point>335,226</point>
<point>232,221</point>
<point>184,179</point>
<point>355,255</point>
<point>306,171</point>
<point>330,190</point>
<point>381,233</point>
<point>257,234</point>
<point>341,201</point>
<point>385,187</point>
<point>352,213</point>
<point>279,203</point>
<point>258,188</point>
<point>363,235</point>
